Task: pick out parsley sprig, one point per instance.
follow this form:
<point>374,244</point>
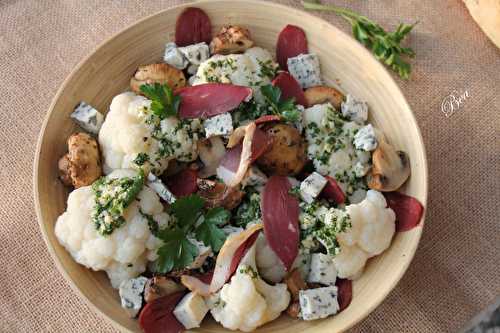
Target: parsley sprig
<point>177,251</point>
<point>386,46</point>
<point>164,102</point>
<point>286,109</point>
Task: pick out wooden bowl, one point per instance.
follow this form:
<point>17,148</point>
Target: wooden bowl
<point>345,64</point>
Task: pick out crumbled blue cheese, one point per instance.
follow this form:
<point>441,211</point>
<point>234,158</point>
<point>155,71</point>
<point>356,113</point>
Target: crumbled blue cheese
<point>131,295</point>
<point>87,117</point>
<point>312,186</point>
<point>366,138</point>
<point>322,270</point>
<point>174,57</point>
<point>191,310</point>
<point>196,53</point>
<point>354,109</point>
<point>318,303</point>
<point>305,69</point>
<point>221,124</point>
<point>157,185</point>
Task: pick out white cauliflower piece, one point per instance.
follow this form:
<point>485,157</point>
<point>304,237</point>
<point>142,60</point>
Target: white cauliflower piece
<point>373,226</point>
<point>247,301</point>
<point>253,68</point>
<point>269,265</point>
<point>130,131</point>
<point>123,254</point>
<point>330,146</point>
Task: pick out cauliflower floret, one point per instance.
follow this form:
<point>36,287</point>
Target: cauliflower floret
<point>371,232</point>
<point>124,253</point>
<point>268,263</point>
<point>253,68</point>
<point>131,136</point>
<point>330,146</point>
<point>247,301</point>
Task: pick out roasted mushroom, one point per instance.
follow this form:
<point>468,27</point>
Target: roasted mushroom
<point>323,94</point>
<point>160,286</point>
<point>390,168</point>
<point>219,195</point>
<point>211,151</point>
<point>231,39</point>
<point>81,166</point>
<point>294,283</point>
<point>157,73</point>
<point>287,155</point>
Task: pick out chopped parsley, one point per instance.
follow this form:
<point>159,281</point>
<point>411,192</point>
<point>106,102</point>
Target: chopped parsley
<point>112,197</point>
<point>141,158</point>
<point>249,210</point>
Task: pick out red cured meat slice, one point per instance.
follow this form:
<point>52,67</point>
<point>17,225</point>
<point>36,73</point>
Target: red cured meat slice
<point>192,26</point>
<point>210,99</point>
<point>261,142</point>
<point>231,159</point>
<point>290,88</point>
<point>267,118</point>
<point>158,317</point>
<point>183,183</point>
<point>408,210</point>
<point>240,253</point>
<point>280,213</point>
<point>344,293</point>
<point>332,191</point>
<point>292,41</point>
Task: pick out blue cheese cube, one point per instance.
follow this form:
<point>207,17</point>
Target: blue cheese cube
<point>305,69</point>
<point>131,295</point>
<point>322,270</point>
<point>174,57</point>
<point>366,138</point>
<point>88,118</point>
<point>312,186</point>
<point>191,310</point>
<point>354,109</point>
<point>318,303</point>
<point>157,185</point>
<point>221,124</point>
<point>196,53</point>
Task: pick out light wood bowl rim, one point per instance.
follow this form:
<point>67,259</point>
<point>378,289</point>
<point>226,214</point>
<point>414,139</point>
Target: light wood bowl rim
<point>42,225</point>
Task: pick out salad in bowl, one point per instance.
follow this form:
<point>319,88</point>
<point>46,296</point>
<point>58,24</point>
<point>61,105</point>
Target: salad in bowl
<point>232,182</point>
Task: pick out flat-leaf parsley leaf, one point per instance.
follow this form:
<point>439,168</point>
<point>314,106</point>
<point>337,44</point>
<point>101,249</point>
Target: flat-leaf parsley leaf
<point>209,232</point>
<point>163,101</point>
<point>286,109</point>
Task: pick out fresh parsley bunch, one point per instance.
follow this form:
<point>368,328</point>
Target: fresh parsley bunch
<point>177,251</point>
<point>386,46</point>
<point>164,103</point>
<point>286,109</point>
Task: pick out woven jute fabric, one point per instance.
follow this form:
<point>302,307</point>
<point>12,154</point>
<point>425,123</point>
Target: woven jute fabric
<point>455,272</point>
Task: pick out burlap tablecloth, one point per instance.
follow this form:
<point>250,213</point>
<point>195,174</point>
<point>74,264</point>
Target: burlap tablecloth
<point>455,272</point>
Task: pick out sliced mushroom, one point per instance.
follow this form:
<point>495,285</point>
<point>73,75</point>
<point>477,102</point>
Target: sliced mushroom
<point>390,168</point>
<point>219,195</point>
<point>211,151</point>
<point>295,283</point>
<point>231,39</point>
<point>160,286</point>
<point>81,166</point>
<point>293,309</point>
<point>323,94</point>
<point>157,73</point>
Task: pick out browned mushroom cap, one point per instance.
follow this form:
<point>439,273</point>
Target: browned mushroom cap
<point>390,168</point>
<point>219,195</point>
<point>323,94</point>
<point>81,166</point>
<point>157,73</point>
<point>160,286</point>
<point>231,39</point>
